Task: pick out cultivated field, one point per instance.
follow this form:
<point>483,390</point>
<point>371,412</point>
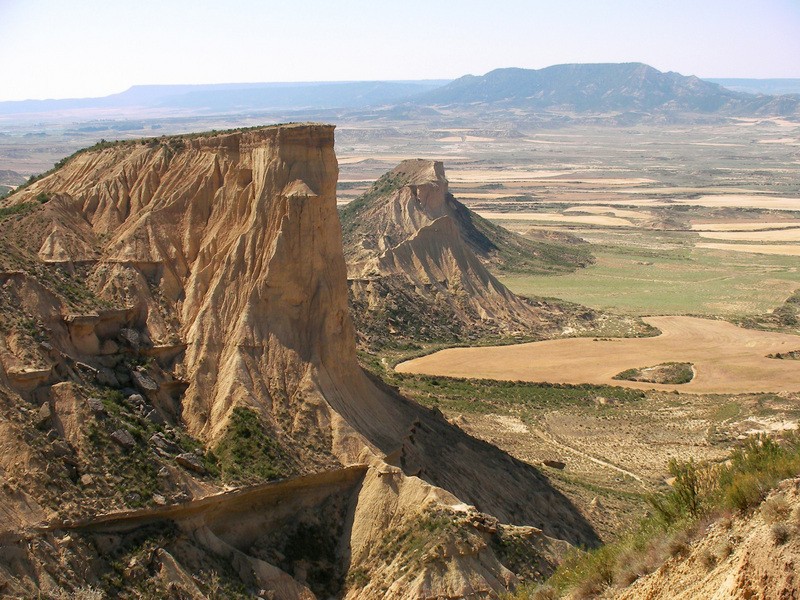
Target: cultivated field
<point>726,358</point>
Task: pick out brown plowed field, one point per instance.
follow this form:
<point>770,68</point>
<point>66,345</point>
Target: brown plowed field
<point>727,358</point>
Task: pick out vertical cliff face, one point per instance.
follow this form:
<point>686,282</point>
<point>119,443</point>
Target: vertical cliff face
<point>229,245</point>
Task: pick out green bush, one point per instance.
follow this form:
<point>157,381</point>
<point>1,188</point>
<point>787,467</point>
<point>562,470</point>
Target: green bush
<point>248,451</point>
<point>699,492</point>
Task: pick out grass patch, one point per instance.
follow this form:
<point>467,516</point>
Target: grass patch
<point>669,372</point>
<point>17,209</point>
<point>248,452</point>
<point>727,411</point>
<point>670,278</point>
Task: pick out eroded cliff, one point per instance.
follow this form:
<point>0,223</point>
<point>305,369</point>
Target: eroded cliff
<point>421,261</point>
<point>195,287</point>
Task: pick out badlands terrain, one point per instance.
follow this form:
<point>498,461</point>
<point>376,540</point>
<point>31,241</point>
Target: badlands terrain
<point>210,387</point>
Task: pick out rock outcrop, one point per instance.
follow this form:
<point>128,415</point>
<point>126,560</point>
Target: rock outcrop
<point>419,260</point>
<point>188,279</point>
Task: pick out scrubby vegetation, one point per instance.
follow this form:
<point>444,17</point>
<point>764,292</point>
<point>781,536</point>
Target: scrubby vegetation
<point>785,317</point>
<point>487,395</point>
<point>669,372</point>
<point>700,493</point>
<point>135,468</point>
<point>386,184</point>
<point>17,209</point>
<point>513,254</point>
<point>248,452</point>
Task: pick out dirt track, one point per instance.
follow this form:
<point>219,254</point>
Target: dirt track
<point>727,358</point>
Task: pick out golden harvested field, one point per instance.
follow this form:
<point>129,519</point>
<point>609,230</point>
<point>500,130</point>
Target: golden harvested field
<point>556,218</point>
<point>772,235</point>
<point>779,249</point>
<point>744,201</point>
<point>727,358</point>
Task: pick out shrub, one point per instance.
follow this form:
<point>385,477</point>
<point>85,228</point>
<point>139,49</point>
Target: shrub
<point>700,493</point>
<point>775,509</point>
<point>708,559</point>
<point>780,533</point>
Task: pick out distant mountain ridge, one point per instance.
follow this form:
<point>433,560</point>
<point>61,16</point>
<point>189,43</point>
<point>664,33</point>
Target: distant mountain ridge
<point>236,97</point>
<point>613,93</point>
<point>602,87</point>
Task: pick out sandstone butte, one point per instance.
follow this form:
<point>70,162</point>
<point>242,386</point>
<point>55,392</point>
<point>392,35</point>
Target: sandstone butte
<point>412,252</point>
<point>213,265</point>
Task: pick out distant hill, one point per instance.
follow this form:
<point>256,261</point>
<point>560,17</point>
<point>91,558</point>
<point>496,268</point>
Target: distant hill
<point>601,88</point>
<point>9,180</point>
<point>611,93</point>
<point>235,97</point>
<point>760,86</point>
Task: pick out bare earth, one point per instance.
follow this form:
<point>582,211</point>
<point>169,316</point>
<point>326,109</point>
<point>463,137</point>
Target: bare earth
<point>781,249</point>
<point>773,235</point>
<point>727,358</point>
<point>556,218</point>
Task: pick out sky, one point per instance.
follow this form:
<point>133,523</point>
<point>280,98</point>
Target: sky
<point>86,48</point>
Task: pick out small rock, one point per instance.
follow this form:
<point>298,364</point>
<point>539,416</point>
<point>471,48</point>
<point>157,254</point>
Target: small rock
<point>132,497</point>
<point>123,438</point>
<point>44,416</point>
<point>87,480</point>
<point>190,460</point>
<point>122,376</point>
<point>144,382</point>
<point>96,406</point>
<point>60,448</point>
<point>554,464</point>
<point>162,443</point>
<point>109,347</point>
<point>106,377</point>
<point>111,360</point>
<point>130,337</point>
<point>52,435</point>
<point>163,472</point>
<point>484,522</point>
<point>159,500</point>
<point>155,417</point>
<point>136,400</point>
<point>82,366</point>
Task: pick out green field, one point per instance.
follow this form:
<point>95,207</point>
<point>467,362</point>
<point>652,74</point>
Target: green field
<point>662,274</point>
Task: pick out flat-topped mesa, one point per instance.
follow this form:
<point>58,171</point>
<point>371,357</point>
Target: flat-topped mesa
<point>238,233</point>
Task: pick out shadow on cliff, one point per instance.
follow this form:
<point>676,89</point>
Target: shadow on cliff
<point>475,471</point>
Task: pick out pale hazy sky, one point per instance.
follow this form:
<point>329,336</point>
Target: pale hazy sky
<point>79,48</point>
